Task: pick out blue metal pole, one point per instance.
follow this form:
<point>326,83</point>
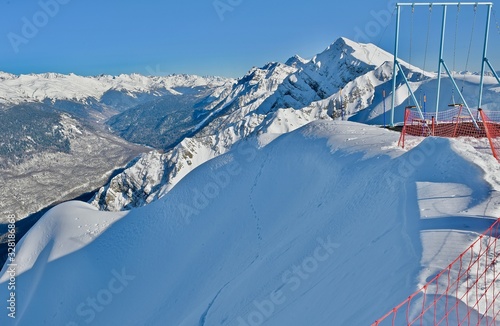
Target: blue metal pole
<point>395,69</point>
<point>383,95</point>
<point>460,93</point>
<point>492,70</point>
<point>413,4</point>
<point>441,50</point>
<point>412,95</point>
<point>485,50</point>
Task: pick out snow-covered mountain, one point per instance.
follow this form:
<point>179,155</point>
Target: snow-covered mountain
<point>322,226</point>
<point>271,100</point>
<point>39,87</point>
<point>99,97</point>
<point>281,97</point>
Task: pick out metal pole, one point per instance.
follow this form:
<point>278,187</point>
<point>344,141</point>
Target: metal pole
<point>441,49</point>
<point>444,3</point>
<point>460,93</point>
<point>395,69</point>
<point>412,95</point>
<point>485,50</point>
<point>492,70</point>
<point>383,95</point>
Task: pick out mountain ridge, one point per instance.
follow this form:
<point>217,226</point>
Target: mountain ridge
<point>275,98</point>
<point>347,80</point>
<point>106,92</point>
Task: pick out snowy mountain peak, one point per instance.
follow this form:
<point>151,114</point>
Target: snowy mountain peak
<point>273,70</point>
<point>296,60</point>
<point>366,56</point>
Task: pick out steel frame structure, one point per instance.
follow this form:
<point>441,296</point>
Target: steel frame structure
<point>442,64</point>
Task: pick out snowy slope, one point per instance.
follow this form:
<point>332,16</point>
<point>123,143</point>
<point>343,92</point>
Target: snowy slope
<point>279,98</point>
<point>325,225</point>
<point>263,101</point>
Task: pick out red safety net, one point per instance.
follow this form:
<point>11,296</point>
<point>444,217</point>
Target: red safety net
<point>455,122</point>
<point>464,293</point>
<point>491,121</point>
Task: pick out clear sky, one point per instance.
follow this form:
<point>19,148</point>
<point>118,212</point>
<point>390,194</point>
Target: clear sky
<point>216,37</point>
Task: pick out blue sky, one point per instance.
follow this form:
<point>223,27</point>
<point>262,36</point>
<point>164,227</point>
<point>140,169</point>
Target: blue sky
<point>215,37</point>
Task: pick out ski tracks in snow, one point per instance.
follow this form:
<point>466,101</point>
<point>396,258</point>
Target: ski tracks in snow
<point>205,314</point>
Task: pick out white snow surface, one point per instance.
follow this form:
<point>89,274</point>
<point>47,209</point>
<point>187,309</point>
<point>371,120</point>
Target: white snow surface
<point>330,224</point>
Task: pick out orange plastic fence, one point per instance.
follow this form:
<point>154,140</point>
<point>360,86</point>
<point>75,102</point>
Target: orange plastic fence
<point>464,293</point>
<point>492,130</point>
<point>455,122</point>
